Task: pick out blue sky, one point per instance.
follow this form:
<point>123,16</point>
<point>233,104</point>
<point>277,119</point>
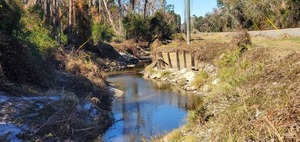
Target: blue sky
<point>198,7</point>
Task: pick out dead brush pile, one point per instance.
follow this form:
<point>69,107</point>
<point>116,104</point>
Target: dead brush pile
<point>71,120</point>
<point>86,79</point>
<point>82,64</point>
<point>242,38</point>
<point>55,118</point>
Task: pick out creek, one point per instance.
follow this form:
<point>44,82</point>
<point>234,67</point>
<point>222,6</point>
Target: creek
<point>147,108</point>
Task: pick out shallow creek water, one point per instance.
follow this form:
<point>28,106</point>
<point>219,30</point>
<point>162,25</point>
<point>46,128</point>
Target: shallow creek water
<point>147,108</point>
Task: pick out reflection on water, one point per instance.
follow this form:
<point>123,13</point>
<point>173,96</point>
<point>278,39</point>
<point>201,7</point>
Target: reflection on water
<point>147,108</point>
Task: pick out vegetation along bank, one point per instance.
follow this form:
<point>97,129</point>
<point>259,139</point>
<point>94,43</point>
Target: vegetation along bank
<point>54,56</point>
<point>250,88</point>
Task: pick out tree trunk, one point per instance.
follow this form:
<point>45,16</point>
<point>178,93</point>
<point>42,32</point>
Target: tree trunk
<point>94,3</point>
<point>90,3</point>
<point>145,9</point>
<point>103,16</point>
<point>59,14</point>
<point>120,16</point>
<point>54,18</point>
<point>56,31</point>
<point>163,4</point>
<point>47,12</point>
<point>70,16</point>
<point>53,11</point>
<point>109,16</point>
<point>132,2</point>
<point>74,13</point>
<point>100,5</point>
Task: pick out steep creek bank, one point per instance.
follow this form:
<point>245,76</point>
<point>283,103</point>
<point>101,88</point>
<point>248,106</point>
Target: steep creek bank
<point>75,104</point>
<point>251,93</point>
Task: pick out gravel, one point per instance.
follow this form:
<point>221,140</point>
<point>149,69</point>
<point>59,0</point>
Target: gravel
<point>277,33</point>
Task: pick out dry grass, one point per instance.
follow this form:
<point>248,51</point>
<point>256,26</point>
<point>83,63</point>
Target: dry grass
<point>85,77</point>
<point>258,101</point>
<point>286,43</point>
<point>257,98</point>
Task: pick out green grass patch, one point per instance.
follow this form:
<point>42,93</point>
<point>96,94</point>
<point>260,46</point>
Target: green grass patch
<point>200,78</point>
<point>149,70</point>
<point>229,58</point>
<point>164,73</point>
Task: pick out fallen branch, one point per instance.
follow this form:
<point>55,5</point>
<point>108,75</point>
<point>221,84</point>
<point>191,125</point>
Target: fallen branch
<point>83,44</point>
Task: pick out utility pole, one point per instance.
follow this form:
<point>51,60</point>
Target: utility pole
<point>187,22</point>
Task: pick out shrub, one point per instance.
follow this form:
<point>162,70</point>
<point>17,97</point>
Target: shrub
<point>164,73</point>
<point>229,58</point>
<point>35,34</point>
<point>157,26</point>
<point>136,27</point>
<point>101,32</point>
<point>10,15</point>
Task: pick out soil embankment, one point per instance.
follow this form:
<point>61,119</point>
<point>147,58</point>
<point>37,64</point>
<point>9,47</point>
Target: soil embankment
<point>250,95</point>
<point>64,96</point>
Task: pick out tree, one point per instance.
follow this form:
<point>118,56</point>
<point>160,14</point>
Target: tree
<point>109,16</point>
<point>132,3</point>
<point>253,15</point>
<point>145,8</point>
<point>71,3</point>
<point>47,12</point>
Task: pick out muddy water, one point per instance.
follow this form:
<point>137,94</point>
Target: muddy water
<point>147,108</point>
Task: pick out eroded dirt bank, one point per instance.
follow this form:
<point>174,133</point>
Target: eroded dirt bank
<point>67,97</point>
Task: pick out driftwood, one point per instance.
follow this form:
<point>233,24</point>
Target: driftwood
<point>159,63</point>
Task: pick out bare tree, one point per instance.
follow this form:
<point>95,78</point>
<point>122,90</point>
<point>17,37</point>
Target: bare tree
<point>47,11</point>
<point>56,31</point>
<point>109,16</point>
<point>120,16</point>
<point>132,3</point>
<point>145,9</point>
<point>71,2</point>
<point>163,4</point>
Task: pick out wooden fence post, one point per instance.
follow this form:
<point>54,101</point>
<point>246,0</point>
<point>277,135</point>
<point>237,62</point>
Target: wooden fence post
<point>169,60</point>
<point>177,58</point>
<point>157,61</point>
<point>160,55</point>
<point>193,61</point>
<point>184,59</point>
